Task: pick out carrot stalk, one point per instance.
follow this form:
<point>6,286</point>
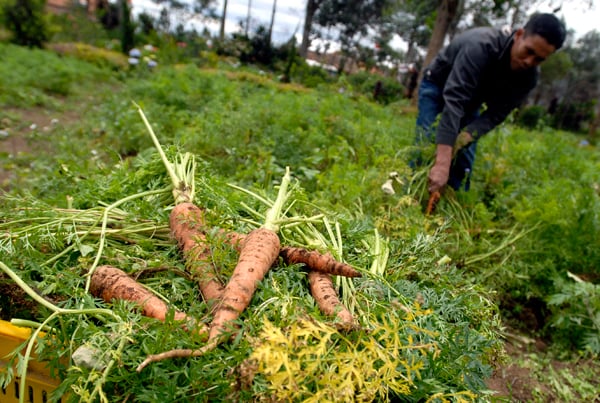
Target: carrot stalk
<point>325,295</point>
<point>181,172</point>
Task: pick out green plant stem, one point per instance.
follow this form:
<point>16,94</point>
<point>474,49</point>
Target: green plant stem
<point>163,157</point>
<point>56,311</point>
<point>506,243</point>
<point>103,230</point>
<point>181,173</point>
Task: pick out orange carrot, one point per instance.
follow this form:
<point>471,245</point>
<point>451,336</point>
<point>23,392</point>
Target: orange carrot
<point>434,198</point>
<point>324,263</point>
<point>312,259</point>
<point>325,295</point>
<point>187,225</point>
<point>259,251</point>
<point>110,283</point>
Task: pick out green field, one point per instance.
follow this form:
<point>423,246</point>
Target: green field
<point>83,185</point>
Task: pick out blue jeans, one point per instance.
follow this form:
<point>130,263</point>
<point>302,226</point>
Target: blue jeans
<point>431,104</point>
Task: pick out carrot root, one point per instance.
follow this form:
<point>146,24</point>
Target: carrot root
<point>325,295</point>
<point>434,198</point>
<point>187,227</point>
<point>259,252</point>
<point>324,263</point>
<point>177,353</point>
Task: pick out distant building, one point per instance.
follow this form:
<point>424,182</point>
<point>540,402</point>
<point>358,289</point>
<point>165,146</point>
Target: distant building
<point>64,6</point>
<point>332,61</point>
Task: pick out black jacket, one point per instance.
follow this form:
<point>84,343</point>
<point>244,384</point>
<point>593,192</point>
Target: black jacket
<point>474,71</point>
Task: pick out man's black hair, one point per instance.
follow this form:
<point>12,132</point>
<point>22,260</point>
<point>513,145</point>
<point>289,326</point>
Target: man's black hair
<point>548,27</point>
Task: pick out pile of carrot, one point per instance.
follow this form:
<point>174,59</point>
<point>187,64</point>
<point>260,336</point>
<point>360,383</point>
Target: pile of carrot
<point>259,250</point>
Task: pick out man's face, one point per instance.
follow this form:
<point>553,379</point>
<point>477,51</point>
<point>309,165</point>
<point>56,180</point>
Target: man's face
<point>529,51</point>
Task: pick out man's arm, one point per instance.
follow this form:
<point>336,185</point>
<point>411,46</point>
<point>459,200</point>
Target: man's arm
<point>438,176</point>
<point>439,173</point>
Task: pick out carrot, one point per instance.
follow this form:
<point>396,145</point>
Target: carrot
<point>325,295</point>
<point>187,224</point>
<point>186,220</point>
<point>324,263</point>
<point>312,259</point>
<point>259,251</point>
<point>110,283</point>
<point>434,198</point>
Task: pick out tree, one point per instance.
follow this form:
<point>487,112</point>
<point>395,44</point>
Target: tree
<point>270,32</point>
<point>247,28</point>
<point>26,20</point>
<point>183,11</point>
<point>223,17</point>
<point>582,86</point>
<point>311,8</point>
<point>355,24</point>
<point>445,14</point>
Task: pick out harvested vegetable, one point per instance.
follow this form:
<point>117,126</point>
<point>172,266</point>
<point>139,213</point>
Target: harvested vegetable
<point>186,222</point>
<point>323,263</point>
<point>325,295</point>
<point>259,251</point>
<point>312,259</point>
<point>111,283</point>
<point>434,198</point>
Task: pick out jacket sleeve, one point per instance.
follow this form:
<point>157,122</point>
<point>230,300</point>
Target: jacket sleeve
<point>460,87</point>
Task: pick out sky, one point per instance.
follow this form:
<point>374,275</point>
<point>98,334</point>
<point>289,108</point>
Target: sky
<point>289,16</point>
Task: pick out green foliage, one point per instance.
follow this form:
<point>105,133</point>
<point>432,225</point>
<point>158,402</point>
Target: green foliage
<point>312,76</point>
<point>577,316</point>
<point>531,117</point>
<point>384,90</point>
<point>428,318</point>
<point>76,26</point>
<point>32,77</point>
<point>573,115</point>
<point>26,20</point>
<point>98,56</point>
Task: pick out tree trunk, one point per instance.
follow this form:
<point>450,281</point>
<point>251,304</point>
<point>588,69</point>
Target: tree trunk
<point>272,21</point>
<point>248,17</point>
<point>311,9</point>
<point>446,12</point>
<point>595,124</point>
<point>222,29</point>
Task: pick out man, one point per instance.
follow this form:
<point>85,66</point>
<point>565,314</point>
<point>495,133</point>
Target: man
<point>474,83</point>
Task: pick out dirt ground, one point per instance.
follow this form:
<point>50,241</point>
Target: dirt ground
<point>513,382</point>
<point>18,129</point>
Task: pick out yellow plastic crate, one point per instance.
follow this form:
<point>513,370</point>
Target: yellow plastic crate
<point>39,383</point>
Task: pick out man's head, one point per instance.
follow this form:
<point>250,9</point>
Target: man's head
<point>542,35</point>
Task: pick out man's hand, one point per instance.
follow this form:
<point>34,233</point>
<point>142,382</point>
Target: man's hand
<point>439,173</point>
<point>463,140</point>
